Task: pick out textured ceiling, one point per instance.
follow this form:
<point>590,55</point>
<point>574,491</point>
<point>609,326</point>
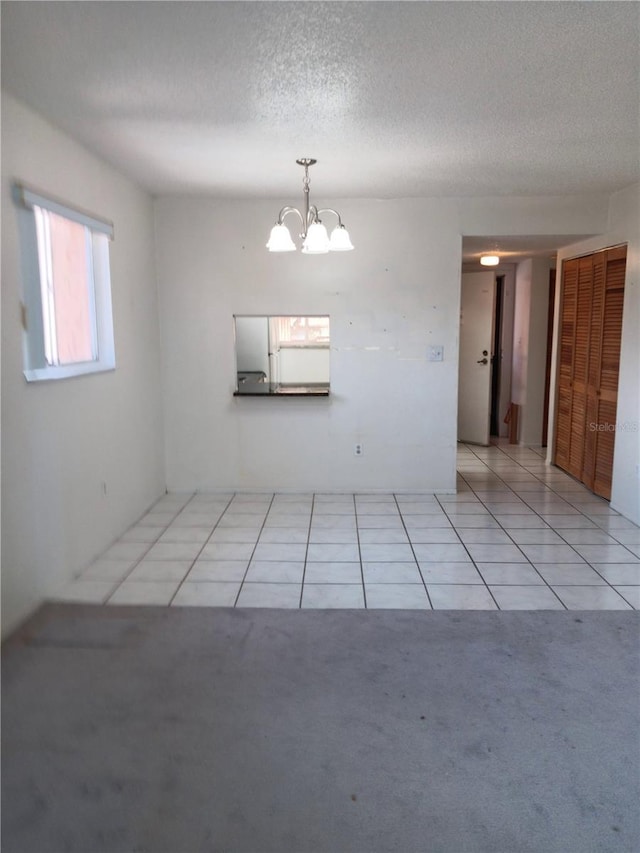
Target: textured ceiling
<point>393,99</point>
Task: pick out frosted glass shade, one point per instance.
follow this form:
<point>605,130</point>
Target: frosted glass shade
<point>317,240</point>
<point>489,260</point>
<point>280,240</point>
<point>340,240</point>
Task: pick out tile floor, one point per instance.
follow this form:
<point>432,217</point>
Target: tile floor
<point>518,535</point>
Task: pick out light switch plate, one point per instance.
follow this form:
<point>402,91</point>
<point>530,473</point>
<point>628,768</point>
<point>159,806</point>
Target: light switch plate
<point>436,354</point>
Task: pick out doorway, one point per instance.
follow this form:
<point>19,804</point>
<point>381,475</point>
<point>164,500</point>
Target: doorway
<point>496,358</point>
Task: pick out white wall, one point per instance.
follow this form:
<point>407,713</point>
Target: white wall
<point>530,346</point>
<point>387,304</point>
<point>623,227</point>
<point>390,299</point>
<point>62,440</point>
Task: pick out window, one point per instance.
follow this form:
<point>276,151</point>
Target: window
<point>67,318</point>
<point>282,355</point>
<point>299,331</point>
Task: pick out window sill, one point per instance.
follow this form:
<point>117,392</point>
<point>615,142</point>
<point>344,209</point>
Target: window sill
<point>47,374</point>
<point>266,390</point>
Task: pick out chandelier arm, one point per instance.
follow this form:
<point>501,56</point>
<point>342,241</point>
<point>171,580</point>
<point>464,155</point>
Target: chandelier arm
<point>331,210</point>
<point>285,211</point>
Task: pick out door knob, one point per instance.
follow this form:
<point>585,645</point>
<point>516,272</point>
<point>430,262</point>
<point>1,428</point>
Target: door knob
<point>482,361</point>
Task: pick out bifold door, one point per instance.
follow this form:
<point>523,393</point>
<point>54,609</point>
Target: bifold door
<point>589,361</point>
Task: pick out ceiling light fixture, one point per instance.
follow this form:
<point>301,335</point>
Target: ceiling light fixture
<point>315,240</point>
<point>489,260</point>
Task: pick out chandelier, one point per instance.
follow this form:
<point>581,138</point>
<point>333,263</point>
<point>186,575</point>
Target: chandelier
<point>315,240</point>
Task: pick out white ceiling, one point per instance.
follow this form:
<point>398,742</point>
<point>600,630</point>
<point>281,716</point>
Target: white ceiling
<point>394,99</point>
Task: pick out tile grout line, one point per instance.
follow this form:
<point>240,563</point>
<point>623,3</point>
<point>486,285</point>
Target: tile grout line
<point>204,545</point>
<point>264,521</point>
<point>424,583</point>
<point>306,551</point>
<point>364,590</point>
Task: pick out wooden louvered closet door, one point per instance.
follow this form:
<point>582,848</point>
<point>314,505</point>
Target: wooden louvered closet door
<point>590,333</point>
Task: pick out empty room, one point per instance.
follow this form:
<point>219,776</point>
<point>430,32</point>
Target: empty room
<point>320,426</point>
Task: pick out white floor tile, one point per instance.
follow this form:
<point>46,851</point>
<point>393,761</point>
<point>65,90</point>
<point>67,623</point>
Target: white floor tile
<point>450,573</point>
<point>328,595</point>
<point>606,554</point>
<point>619,574</point>
<point>280,551</point>
<point>385,536</point>
<point>129,551</point>
<point>627,537</point>
<point>458,597</point>
<point>227,551</point>
<point>515,574</point>
<point>525,598</point>
<point>377,522</point>
<point>107,570</point>
<point>569,574</point>
<point>485,522</point>
<point>274,571</point>
<point>174,533</point>
<point>242,520</point>
<point>85,592</point>
<point>480,536</point>
<point>398,572</point>
<point>160,570</point>
<point>387,553</point>
<point>270,595</point>
<point>333,536</point>
<point>142,533</point>
<point>564,522</point>
<point>333,522</point>
<point>206,594</point>
<point>537,536</point>
<point>550,553</point>
<point>144,592</point>
<point>441,553</point>
<point>406,596</point>
<point>631,594</point>
<point>174,551</point>
<point>437,536</point>
<point>235,534</point>
<point>426,522</point>
<point>288,520</point>
<point>591,598</point>
<point>496,553</point>
<point>334,572</point>
<point>341,553</point>
<point>284,535</point>
<point>218,570</point>
<point>519,522</point>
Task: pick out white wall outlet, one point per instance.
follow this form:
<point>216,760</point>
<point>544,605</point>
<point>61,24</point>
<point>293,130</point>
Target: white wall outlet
<point>358,449</point>
<point>436,354</point>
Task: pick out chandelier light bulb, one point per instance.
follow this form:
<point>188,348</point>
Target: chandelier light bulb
<point>280,240</point>
<point>340,240</point>
<point>317,240</point>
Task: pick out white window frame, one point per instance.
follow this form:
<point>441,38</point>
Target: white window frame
<point>36,338</point>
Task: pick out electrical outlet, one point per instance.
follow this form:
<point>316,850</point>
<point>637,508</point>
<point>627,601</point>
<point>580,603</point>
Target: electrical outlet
<point>358,449</point>
<point>436,353</point>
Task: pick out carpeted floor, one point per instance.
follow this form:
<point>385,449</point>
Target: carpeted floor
<point>198,730</point>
